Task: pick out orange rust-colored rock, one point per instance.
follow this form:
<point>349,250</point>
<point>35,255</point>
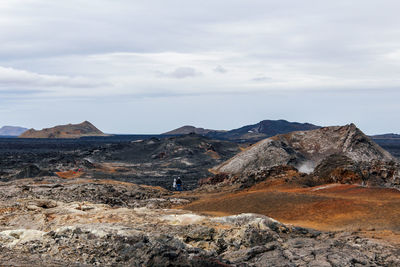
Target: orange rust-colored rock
<point>70,174</point>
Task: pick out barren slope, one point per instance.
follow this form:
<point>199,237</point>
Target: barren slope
<point>327,207</point>
<point>65,131</point>
<point>306,148</point>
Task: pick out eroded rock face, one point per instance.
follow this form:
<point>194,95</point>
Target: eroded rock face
<point>333,154</point>
<point>341,169</point>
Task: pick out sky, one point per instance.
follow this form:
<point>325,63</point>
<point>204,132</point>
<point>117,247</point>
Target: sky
<point>131,66</point>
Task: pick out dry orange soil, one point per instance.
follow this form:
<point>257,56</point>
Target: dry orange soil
<point>69,174</point>
<point>329,207</point>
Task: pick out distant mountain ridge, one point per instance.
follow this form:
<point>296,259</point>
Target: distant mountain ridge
<point>386,136</point>
<point>65,131</point>
<point>263,129</point>
<point>254,132</point>
<point>187,129</point>
<point>12,130</point>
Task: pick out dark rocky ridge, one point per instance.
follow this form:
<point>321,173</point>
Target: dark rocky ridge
<point>249,133</point>
<point>386,136</point>
<point>389,144</point>
<point>262,130</point>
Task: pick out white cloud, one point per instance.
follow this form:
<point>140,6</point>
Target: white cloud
<point>180,73</point>
<point>22,80</point>
<point>113,49</point>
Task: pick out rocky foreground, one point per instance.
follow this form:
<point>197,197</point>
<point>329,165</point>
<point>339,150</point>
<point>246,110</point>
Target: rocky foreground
<point>58,222</point>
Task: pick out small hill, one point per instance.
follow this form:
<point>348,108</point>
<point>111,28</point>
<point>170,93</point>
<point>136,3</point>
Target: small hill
<point>65,131</point>
<point>187,129</point>
<point>306,148</point>
<point>12,130</point>
<point>329,154</point>
<point>262,130</point>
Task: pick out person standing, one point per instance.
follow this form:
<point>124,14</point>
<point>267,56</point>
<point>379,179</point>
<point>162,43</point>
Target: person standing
<point>174,184</point>
<point>179,184</point>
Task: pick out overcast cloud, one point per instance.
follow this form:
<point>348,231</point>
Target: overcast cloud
<point>105,60</point>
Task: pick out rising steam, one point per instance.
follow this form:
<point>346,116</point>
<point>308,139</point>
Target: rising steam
<point>306,167</point>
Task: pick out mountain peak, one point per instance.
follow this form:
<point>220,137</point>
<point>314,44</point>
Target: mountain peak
<point>311,147</point>
<point>87,122</point>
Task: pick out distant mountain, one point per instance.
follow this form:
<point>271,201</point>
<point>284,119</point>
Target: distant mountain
<point>65,131</point>
<point>187,129</point>
<point>386,136</point>
<point>262,130</point>
<point>12,130</point>
<point>390,142</point>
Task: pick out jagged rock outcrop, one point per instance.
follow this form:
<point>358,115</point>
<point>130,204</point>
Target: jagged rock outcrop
<point>341,151</point>
<point>65,131</point>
